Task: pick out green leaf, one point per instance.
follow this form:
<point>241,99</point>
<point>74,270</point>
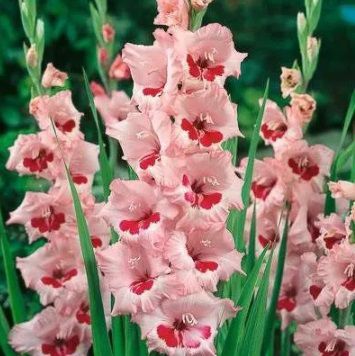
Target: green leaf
<point>236,330</point>
<point>255,326</point>
<point>107,177</point>
<point>196,18</point>
<point>15,296</point>
<point>271,315</point>
<point>285,342</point>
<point>231,145</point>
<point>4,331</point>
<point>250,258</point>
<point>100,337</point>
<point>105,169</point>
<point>239,219</point>
<point>97,25</point>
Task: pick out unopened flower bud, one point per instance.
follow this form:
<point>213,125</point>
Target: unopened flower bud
<point>305,106</point>
<point>32,56</point>
<point>200,4</point>
<point>97,89</point>
<point>290,79</point>
<point>119,70</point>
<point>52,77</point>
<point>312,48</point>
<point>301,22</point>
<point>108,32</point>
<point>102,55</point>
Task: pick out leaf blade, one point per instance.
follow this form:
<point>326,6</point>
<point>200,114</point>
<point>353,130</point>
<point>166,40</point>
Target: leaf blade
<point>17,304</point>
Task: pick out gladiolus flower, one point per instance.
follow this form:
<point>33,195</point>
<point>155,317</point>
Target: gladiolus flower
<point>290,80</point>
<point>108,32</point>
<point>172,13</point>
<point>52,77</point>
<point>342,189</point>
<point>119,70</point>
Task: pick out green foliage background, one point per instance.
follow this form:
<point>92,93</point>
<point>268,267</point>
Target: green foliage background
<point>266,29</point>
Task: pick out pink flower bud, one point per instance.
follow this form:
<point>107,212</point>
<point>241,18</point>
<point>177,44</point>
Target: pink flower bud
<point>108,32</point>
<point>200,4</point>
<point>304,104</point>
<point>52,77</point>
<point>342,189</point>
<point>97,89</point>
<point>119,69</point>
<point>102,55</point>
<point>32,56</point>
<point>290,79</point>
<point>312,48</point>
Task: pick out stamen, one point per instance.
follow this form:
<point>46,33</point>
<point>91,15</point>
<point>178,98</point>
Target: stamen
<point>349,270</point>
<point>211,180</point>
<point>206,117</point>
<point>133,261</point>
<point>189,319</point>
<point>206,243</point>
<point>133,206</point>
<point>331,345</point>
<point>142,134</point>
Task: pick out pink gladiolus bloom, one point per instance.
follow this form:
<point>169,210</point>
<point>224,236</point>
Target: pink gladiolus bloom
<point>119,70</point>
<point>209,53</point>
<point>133,208</point>
<point>332,230</point>
<point>144,282</point>
<point>342,189</point>
<point>321,337</point>
<point>156,71</point>
<point>61,110</point>
<point>143,138</point>
<point>337,271</point>
<point>186,326</point>
<point>307,162</point>
<point>206,117</point>
<point>114,108</point>
<point>278,126</point>
<point>52,77</point>
<point>45,214</point>
<point>48,333</point>
<point>295,301</point>
<point>304,105</point>
<point>35,154</point>
<point>208,188</point>
<point>209,254</point>
<point>172,13</point>
<point>54,269</point>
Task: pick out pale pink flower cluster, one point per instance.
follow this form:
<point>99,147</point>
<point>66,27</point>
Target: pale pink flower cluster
<point>319,268</point>
<point>295,175</point>
<point>174,246</point>
<point>56,270</point>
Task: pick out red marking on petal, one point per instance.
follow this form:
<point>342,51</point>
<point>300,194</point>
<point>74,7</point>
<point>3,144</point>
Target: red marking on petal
<point>133,226</point>
<point>189,127</point>
<point>68,126</point>
<point>210,74</point>
<point>349,284</point>
<point>286,303</point>
<point>168,335</point>
<point>148,160</point>
<point>209,200</point>
<point>204,266</point>
<point>332,240</point>
<point>270,240</point>
<point>210,137</point>
<point>152,91</point>
<point>50,281</point>
<point>72,344</point>
<point>337,350</point>
<point>262,191</point>
<point>275,134</point>
<point>79,179</point>
<point>40,163</point>
<point>50,223</point>
<point>82,315</point>
<point>306,172</point>
<point>140,287</point>
<point>70,274</point>
<point>315,290</point>
<point>194,69</point>
<point>96,242</point>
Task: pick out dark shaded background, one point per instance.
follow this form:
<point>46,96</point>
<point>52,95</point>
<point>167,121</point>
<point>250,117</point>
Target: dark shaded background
<point>266,29</point>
